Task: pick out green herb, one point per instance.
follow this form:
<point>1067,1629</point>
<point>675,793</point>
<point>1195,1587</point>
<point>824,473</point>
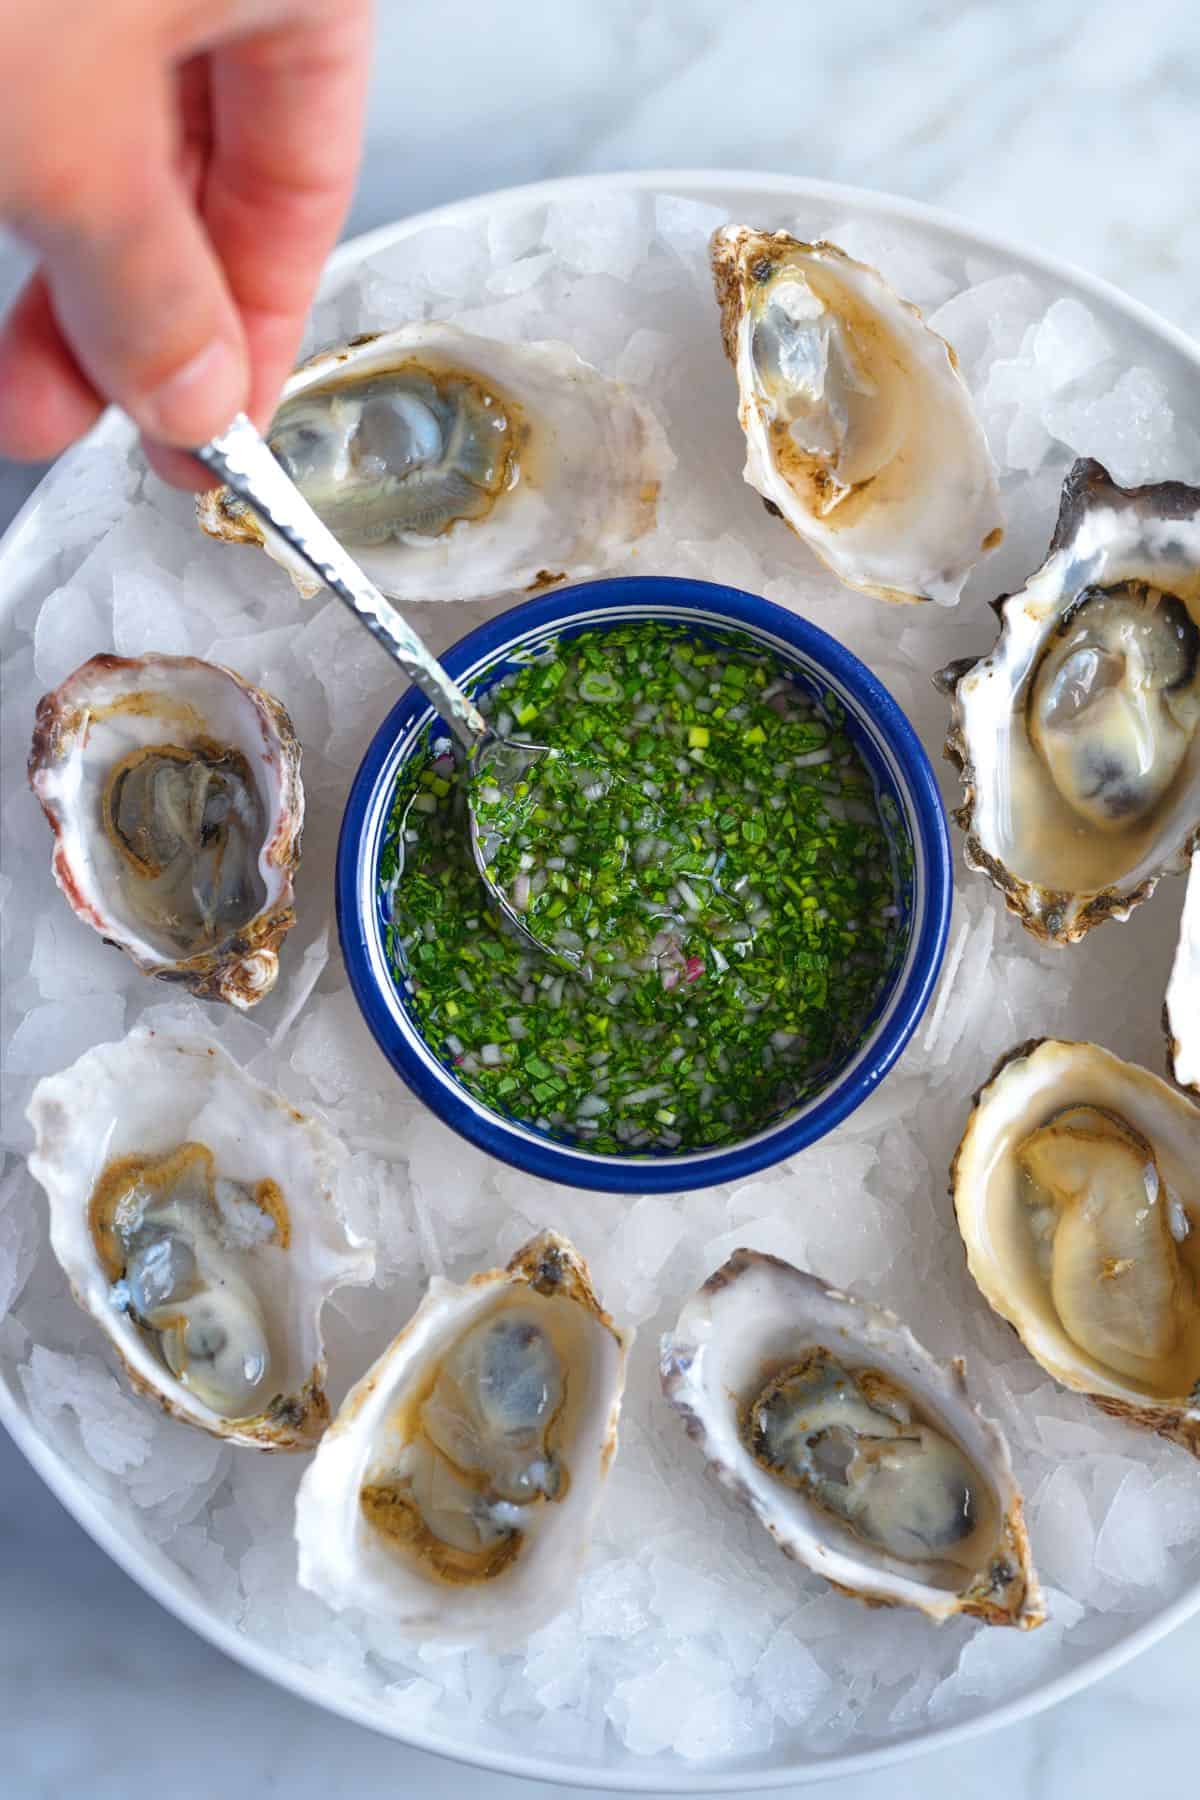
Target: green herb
<point>706,841</point>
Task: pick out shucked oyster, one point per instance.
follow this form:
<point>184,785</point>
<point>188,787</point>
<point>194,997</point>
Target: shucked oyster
<point>195,1216</point>
<point>173,790</point>
<point>1077,735</point>
<point>457,467</point>
<point>859,428</point>
<point>454,1492</point>
<point>1077,1190</point>
<point>861,1455</point>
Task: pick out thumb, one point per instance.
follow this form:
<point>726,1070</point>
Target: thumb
<point>142,301</point>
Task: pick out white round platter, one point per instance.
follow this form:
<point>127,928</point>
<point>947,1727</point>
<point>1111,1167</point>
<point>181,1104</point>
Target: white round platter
<point>26,559</point>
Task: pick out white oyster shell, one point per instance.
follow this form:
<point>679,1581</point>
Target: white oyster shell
<point>1183,992</point>
<point>860,432</point>
<point>1059,870</point>
<point>754,1318</point>
<point>585,463</point>
<point>146,1097</point>
<point>113,707</point>
<point>1010,1262</point>
<point>349,1562</point>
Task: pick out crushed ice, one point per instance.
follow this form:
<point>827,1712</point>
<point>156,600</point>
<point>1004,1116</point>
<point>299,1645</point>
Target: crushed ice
<point>688,1635</point>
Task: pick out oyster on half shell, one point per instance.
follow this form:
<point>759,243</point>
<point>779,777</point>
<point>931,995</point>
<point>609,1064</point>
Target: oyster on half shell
<point>454,1493</point>
<point>195,1214</point>
<point>173,791</point>
<point>1077,1192</point>
<point>861,1455</point>
<point>458,467</point>
<point>1078,735</point>
<point>860,431</point>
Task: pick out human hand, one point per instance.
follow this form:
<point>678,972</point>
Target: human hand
<point>182,167</point>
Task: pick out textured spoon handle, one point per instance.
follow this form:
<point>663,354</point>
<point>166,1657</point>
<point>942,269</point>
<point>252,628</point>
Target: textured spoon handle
<point>241,459</point>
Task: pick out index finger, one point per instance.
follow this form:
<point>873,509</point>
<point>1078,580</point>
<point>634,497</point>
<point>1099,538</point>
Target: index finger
<point>286,109</point>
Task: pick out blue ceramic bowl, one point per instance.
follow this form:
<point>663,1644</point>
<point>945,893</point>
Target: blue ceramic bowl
<point>909,800</point>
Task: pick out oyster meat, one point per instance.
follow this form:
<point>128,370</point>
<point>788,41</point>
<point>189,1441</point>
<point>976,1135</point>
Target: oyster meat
<point>1182,1009</point>
<point>860,431</point>
<point>195,1215</point>
<point>458,467</point>
<point>1077,735</point>
<point>173,791</point>
<point>454,1493</point>
<point>1077,1192</point>
<point>862,1456</point>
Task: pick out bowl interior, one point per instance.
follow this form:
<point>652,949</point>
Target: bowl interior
<point>907,797</point>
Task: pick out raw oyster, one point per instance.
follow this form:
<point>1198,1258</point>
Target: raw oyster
<point>173,791</point>
<point>455,1490</point>
<point>1181,1013</point>
<point>1077,1190</point>
<point>194,1213</point>
<point>860,430</point>
<point>458,467</point>
<point>862,1456</point>
<point>1077,735</point>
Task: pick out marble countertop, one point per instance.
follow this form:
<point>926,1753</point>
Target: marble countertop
<point>1071,126</point>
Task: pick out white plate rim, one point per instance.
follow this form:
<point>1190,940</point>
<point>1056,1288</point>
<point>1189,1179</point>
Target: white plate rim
<point>86,1508</point>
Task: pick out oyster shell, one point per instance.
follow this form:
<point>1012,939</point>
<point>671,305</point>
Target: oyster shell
<point>173,791</point>
<point>458,467</point>
<point>195,1216</point>
<point>1077,1193</point>
<point>1181,1013</point>
<point>454,1492</point>
<point>862,1456</point>
<point>1077,735</point>
<point>860,430</point>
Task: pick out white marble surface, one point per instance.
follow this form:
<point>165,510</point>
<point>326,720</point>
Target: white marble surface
<point>1068,123</point>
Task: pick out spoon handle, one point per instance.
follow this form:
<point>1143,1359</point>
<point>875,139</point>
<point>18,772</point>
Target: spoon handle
<point>241,458</point>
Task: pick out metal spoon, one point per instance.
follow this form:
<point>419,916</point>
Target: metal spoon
<point>241,459</point>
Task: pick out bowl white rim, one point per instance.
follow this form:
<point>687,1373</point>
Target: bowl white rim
<point>86,1508</point>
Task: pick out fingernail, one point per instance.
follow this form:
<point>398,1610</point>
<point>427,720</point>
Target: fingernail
<point>198,399</point>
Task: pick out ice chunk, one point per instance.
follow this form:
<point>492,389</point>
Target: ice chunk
<point>336,1053</point>
<point>513,231</point>
<point>789,1678</point>
<point>52,1036</point>
<point>70,959</point>
<point>148,615</point>
<point>634,1259</point>
<point>989,319</point>
<point>116,1429</point>
<point>1129,1548</point>
<point>519,277</point>
<point>650,1710</point>
<point>1069,343</point>
<point>904,261</point>
<point>1063,1531</point>
<point>1130,428</point>
<point>205,1561</point>
<point>686,226</point>
<point>300,982</point>
<point>557,1665</point>
<point>601,234</point>
<point>88,489</point>
<point>70,628</point>
<point>613,1600</point>
<point>20,1235</point>
<point>450,259</point>
<point>999,1663</point>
